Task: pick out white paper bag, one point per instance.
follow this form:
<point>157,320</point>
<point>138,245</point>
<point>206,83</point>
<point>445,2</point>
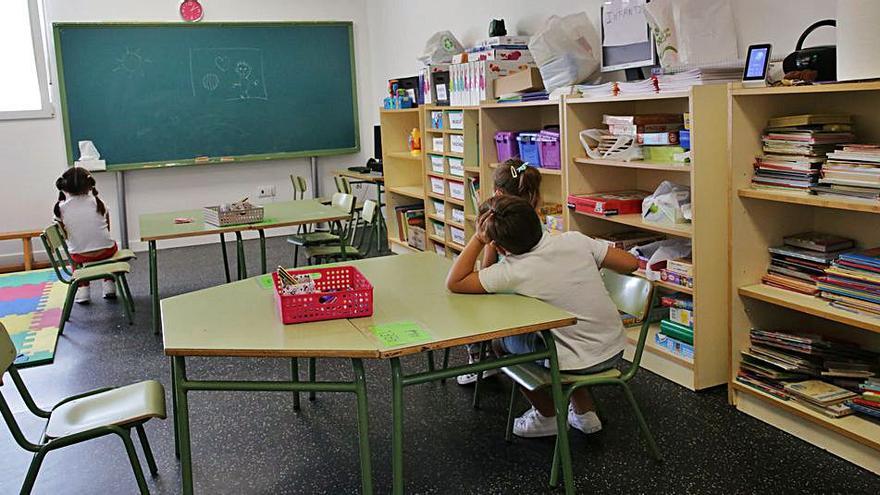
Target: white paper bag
<point>562,48</point>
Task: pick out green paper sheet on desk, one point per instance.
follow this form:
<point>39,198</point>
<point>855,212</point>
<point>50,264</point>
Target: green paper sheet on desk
<point>400,333</point>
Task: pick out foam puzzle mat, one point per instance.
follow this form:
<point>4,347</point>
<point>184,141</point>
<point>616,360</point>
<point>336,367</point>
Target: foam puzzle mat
<point>30,309</point>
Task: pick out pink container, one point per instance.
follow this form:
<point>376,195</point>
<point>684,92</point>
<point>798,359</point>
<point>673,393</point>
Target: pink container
<point>548,145</point>
<point>506,145</point>
<point>344,292</point>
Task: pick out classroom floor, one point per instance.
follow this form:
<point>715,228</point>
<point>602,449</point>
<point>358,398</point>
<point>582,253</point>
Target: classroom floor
<point>256,443</point>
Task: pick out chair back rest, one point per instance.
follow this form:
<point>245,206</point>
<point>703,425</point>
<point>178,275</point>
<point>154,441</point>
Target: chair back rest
<point>633,295</point>
<point>299,186</point>
<point>369,212</point>
<point>56,249</point>
<point>344,202</point>
<point>7,352</point>
<point>342,184</point>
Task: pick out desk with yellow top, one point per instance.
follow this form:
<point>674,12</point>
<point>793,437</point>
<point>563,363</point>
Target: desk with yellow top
<point>412,313</point>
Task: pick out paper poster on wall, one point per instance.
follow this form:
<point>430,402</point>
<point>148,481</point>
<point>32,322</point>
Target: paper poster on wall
<point>624,23</point>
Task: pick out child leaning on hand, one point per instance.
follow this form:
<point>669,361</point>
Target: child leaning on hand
<point>562,270</point>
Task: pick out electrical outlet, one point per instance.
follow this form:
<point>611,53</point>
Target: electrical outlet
<point>266,191</point>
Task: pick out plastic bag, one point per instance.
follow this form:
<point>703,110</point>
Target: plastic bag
<point>693,33</point>
<point>670,203</point>
<point>659,252</point>
<point>624,147</point>
<point>660,17</point>
<point>562,48</point>
<point>440,48</point>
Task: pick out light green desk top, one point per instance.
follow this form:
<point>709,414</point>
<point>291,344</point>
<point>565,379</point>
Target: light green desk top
<point>241,319</point>
<point>412,288</point>
<point>158,226</point>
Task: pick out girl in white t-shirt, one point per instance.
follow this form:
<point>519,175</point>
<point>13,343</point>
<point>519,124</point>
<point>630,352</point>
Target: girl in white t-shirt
<point>86,224</point>
<point>562,270</point>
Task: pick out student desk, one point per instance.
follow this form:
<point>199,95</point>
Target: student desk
<point>412,288</point>
<point>160,226</point>
<point>241,320</point>
<point>379,181</point>
<point>407,288</point>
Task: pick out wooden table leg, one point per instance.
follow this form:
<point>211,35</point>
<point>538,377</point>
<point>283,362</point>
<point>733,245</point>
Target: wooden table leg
<point>28,253</point>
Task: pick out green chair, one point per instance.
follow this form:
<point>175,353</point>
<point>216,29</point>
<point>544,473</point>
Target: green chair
<point>67,273</point>
<point>334,252</point>
<point>102,412</point>
<point>337,234</point>
<point>299,186</point>
<point>125,255</point>
<point>631,295</point>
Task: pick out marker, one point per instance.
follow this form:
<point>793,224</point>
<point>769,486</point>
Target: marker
<point>227,158</point>
<point>202,159</point>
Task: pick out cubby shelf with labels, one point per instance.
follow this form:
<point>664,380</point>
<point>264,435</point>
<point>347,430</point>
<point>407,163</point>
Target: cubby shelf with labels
<point>404,175</point>
<point>761,219</point>
<point>451,164</point>
<point>705,175</point>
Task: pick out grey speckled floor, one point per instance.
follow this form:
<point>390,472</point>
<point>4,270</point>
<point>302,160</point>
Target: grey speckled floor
<point>255,443</point>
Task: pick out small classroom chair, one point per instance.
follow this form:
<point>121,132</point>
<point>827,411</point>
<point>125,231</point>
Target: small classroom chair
<point>124,255</point>
<point>299,187</point>
<point>633,295</point>
<point>67,273</point>
<point>337,234</point>
<point>76,419</point>
<point>333,252</point>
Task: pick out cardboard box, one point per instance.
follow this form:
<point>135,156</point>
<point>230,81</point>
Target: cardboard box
<point>683,267</point>
<point>519,82</point>
<point>683,316</point>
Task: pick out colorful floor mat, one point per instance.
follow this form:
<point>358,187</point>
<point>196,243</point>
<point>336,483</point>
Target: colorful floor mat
<point>30,309</point>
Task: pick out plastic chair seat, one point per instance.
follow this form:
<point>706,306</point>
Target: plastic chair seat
<point>121,255</point>
<point>99,271</point>
<point>531,376</point>
<point>312,238</point>
<point>329,251</point>
<point>116,407</point>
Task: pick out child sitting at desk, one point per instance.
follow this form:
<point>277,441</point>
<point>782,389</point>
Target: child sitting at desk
<point>512,178</point>
<point>86,223</point>
<point>562,270</point>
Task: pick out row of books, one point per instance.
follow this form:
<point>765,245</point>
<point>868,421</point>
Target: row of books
<point>658,136</point>
<point>795,148</point>
<point>803,259</point>
<point>822,374</point>
<point>659,83</point>
<point>852,282</point>
<point>409,216</point>
<point>852,171</point>
<point>867,404</point>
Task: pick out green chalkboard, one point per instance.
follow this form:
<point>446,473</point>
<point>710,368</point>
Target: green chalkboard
<point>156,95</point>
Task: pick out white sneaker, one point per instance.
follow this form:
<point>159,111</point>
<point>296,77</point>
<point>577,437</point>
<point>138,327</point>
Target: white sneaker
<point>471,378</point>
<point>532,425</point>
<point>587,422</point>
<point>83,296</point>
<point>109,287</point>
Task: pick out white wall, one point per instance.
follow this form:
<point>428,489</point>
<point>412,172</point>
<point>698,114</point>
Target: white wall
<point>389,36</point>
<point>32,151</point>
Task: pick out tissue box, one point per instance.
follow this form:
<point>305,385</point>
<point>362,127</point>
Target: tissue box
<point>92,165</point>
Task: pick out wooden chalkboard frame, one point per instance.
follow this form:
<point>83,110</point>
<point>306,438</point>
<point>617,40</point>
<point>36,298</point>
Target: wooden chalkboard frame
<point>56,32</point>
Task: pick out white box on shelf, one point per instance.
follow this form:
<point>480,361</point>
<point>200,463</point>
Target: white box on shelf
<point>437,186</point>
<point>457,215</point>
<point>439,207</point>
<point>456,120</point>
<point>456,189</point>
<point>437,164</point>
<point>437,144</point>
<point>456,143</point>
<point>457,235</point>
<point>440,249</point>
<point>439,229</point>
<point>456,166</point>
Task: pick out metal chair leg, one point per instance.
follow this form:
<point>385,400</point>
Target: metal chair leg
<point>508,433</point>
<point>294,375</point>
<point>125,307</point>
<point>127,293</point>
<point>445,362</point>
<point>135,463</point>
<point>652,445</point>
<point>225,257</point>
<point>483,347</point>
<point>68,306</point>
<point>148,452</point>
<point>312,373</point>
<point>430,357</point>
<point>33,469</point>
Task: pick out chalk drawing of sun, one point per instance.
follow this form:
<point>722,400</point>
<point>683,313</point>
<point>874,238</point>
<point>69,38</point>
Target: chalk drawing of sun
<point>132,63</point>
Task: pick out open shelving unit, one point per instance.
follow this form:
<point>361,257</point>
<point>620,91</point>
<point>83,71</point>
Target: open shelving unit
<point>404,180</point>
<point>760,219</point>
<point>706,176</point>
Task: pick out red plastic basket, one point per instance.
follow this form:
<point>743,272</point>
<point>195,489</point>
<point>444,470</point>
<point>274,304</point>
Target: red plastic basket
<point>343,292</point>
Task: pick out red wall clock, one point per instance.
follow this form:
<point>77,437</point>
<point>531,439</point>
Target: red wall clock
<point>191,10</point>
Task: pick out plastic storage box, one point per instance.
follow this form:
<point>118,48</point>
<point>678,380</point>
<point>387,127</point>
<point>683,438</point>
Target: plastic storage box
<point>437,164</point>
<point>506,145</point>
<point>456,190</point>
<point>437,186</point>
<point>548,145</point>
<point>343,292</point>
<point>456,166</point>
<point>528,148</point>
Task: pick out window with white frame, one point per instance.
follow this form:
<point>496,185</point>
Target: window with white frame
<point>24,88</point>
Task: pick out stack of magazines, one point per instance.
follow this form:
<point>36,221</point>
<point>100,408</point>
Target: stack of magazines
<point>853,171</point>
<point>803,259</point>
<point>852,282</point>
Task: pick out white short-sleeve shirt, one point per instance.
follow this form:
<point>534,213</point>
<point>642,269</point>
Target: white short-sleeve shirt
<point>563,270</point>
<point>86,228</point>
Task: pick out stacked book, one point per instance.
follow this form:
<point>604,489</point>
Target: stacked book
<point>820,374</point>
<point>682,81</point>
<point>410,218</point>
<point>852,282</point>
<point>868,403</point>
<point>803,259</point>
<point>657,134</point>
<point>795,148</point>
<point>677,328</point>
<point>852,171</point>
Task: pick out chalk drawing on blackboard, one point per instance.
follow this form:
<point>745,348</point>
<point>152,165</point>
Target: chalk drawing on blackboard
<point>230,74</point>
<point>131,63</point>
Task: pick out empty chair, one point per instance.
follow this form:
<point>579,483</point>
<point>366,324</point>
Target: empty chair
<point>338,233</point>
<point>334,252</point>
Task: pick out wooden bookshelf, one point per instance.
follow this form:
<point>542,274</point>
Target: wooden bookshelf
<point>760,219</point>
<point>706,176</point>
<point>404,180</point>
